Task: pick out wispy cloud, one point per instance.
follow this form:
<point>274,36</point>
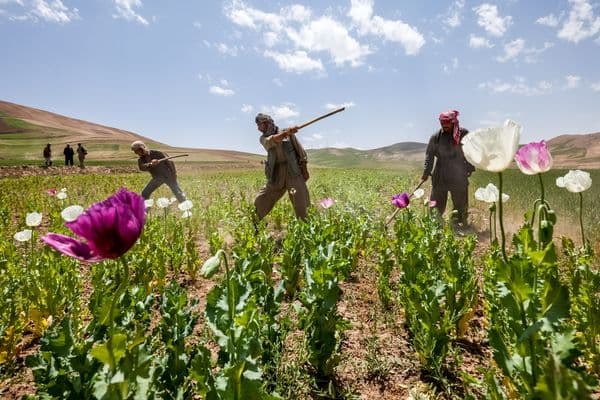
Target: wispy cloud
<point>516,48</point>
<point>448,68</point>
<point>361,12</point>
<point>518,86</point>
<point>220,91</point>
<point>595,86</point>
<point>283,111</point>
<point>512,50</point>
<point>126,10</point>
<point>581,23</point>
<point>572,81</point>
<point>549,20</point>
<point>298,61</point>
<point>228,50</point>
<point>333,106</point>
<point>478,42</point>
<point>35,10</point>
<point>489,19</point>
<point>247,108</point>
<point>453,17</point>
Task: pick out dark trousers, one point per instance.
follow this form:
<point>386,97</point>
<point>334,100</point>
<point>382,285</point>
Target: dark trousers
<point>68,160</point>
<point>460,201</point>
<point>171,183</point>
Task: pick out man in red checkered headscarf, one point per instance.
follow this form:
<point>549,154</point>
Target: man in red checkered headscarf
<point>451,170</point>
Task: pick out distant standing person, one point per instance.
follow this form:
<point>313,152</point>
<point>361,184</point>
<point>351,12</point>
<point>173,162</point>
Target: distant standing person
<point>162,172</point>
<point>47,155</point>
<point>285,169</point>
<point>451,172</point>
<point>69,153</point>
<point>81,153</point>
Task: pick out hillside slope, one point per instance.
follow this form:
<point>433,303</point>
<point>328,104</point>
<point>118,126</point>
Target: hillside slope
<point>24,131</point>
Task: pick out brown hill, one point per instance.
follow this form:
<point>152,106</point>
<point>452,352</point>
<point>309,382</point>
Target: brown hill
<point>576,151</point>
<point>25,130</point>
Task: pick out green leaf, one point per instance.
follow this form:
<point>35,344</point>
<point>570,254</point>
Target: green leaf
<point>211,266</point>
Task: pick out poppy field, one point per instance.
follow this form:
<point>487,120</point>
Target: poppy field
<point>105,296</point>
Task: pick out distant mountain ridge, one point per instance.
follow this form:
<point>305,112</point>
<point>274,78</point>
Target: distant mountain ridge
<point>25,130</point>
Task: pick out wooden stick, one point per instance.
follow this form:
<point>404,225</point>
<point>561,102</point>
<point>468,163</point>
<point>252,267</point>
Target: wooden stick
<point>312,121</point>
<point>166,158</point>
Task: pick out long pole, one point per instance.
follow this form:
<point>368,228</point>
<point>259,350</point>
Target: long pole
<point>329,114</point>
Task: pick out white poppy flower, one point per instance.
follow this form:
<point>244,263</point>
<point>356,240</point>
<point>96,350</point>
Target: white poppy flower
<point>186,214</point>
<point>292,191</point>
<point>61,195</point>
<point>492,149</point>
<point>148,203</point>
<point>172,200</point>
<point>23,236</point>
<point>418,193</point>
<point>33,219</point>
<point>185,205</point>
<point>489,194</point>
<point>71,213</point>
<point>575,181</point>
<point>162,202</point>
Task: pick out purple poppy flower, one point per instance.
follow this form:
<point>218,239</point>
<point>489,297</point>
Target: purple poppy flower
<point>534,158</point>
<point>401,200</point>
<point>326,203</point>
<point>109,228</point>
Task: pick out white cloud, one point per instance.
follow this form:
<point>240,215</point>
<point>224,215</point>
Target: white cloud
<point>220,91</point>
<point>247,108</point>
<point>283,111</point>
<point>595,86</point>
<point>277,82</point>
<point>297,62</point>
<point>197,25</point>
<point>296,12</point>
<point>512,50</point>
<point>447,68</point>
<point>225,49</point>
<point>361,12</point>
<point>241,14</point>
<point>326,34</point>
<point>454,15</point>
<point>271,38</point>
<point>581,23</point>
<point>517,47</point>
<point>478,42</point>
<point>488,19</point>
<point>519,86</point>
<point>50,11</point>
<point>54,11</point>
<point>332,106</point>
<point>126,11</point>
<point>572,81</point>
<point>548,20</point>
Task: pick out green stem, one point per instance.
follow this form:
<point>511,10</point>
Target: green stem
<point>500,216</point>
<point>491,226</point>
<point>542,187</point>
<point>581,218</point>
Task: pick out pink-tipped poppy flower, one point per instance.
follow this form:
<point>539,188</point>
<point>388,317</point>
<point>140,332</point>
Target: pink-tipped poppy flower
<point>109,229</point>
<point>327,202</point>
<point>401,200</point>
<point>51,191</point>
<point>534,158</point>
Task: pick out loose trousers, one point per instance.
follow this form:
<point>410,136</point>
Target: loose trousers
<point>268,196</point>
<point>460,200</point>
<point>171,183</point>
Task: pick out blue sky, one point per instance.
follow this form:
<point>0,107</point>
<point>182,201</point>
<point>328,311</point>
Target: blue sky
<point>194,73</point>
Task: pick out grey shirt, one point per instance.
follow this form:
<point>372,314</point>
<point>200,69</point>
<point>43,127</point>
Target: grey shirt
<point>164,170</point>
